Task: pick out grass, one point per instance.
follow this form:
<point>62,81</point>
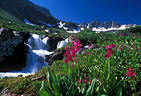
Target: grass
<point>10,22</point>
<point>106,74</point>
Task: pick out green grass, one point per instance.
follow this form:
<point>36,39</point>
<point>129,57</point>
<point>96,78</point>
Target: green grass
<point>17,24</point>
<point>110,73</point>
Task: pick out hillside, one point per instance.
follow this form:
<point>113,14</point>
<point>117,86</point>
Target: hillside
<point>27,11</point>
<point>11,22</point>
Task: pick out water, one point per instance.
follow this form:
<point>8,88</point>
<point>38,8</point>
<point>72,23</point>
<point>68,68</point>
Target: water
<point>38,49</point>
<point>62,43</point>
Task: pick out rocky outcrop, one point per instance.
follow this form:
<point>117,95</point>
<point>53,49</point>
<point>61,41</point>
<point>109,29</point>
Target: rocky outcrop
<point>109,24</point>
<point>97,24</point>
<point>71,26</point>
<point>57,55</point>
<point>53,41</point>
<point>13,49</point>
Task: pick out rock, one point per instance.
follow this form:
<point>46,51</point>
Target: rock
<point>53,41</point>
<point>109,24</point>
<point>57,55</point>
<point>37,78</point>
<point>70,26</point>
<point>97,24</point>
<point>90,46</point>
<point>83,25</point>
<point>13,49</point>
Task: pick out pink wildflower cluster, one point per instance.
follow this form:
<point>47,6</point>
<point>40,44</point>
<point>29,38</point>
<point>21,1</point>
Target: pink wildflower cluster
<point>70,53</point>
<point>86,80</point>
<point>121,47</point>
<point>130,73</point>
<point>110,51</point>
<point>121,34</point>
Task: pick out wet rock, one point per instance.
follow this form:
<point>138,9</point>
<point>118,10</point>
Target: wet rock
<point>57,55</point>
<point>13,49</point>
<point>53,41</point>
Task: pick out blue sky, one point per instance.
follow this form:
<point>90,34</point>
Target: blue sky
<point>122,11</point>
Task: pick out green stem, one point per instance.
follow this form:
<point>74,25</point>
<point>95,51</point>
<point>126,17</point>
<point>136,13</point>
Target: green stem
<point>109,71</point>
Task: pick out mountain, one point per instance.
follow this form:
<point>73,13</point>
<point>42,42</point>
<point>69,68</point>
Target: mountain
<point>28,12</point>
<point>97,24</point>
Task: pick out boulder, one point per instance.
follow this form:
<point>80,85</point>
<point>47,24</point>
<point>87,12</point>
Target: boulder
<point>13,49</point>
<point>57,55</point>
<point>53,41</point>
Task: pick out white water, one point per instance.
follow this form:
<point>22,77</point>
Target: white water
<point>62,43</point>
<point>35,57</point>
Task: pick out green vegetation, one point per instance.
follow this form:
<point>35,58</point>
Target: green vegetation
<point>10,22</point>
<point>94,74</point>
<point>98,72</point>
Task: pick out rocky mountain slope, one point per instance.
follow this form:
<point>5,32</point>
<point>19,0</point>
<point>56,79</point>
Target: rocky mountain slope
<point>28,12</point>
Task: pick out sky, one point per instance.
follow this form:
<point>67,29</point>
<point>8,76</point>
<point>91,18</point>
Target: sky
<point>121,11</point>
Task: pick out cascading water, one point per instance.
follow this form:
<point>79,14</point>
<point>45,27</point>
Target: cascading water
<point>35,57</point>
<point>62,43</point>
<point>37,53</point>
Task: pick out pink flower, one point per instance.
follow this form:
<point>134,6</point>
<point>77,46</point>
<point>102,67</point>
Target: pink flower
<point>121,47</point>
<point>130,73</point>
<point>126,46</point>
<point>90,81</point>
<point>66,48</point>
<point>85,81</point>
<point>89,45</point>
<point>137,49</point>
<point>71,48</point>
<point>121,34</point>
<point>66,61</point>
<point>67,53</point>
<point>110,51</point>
<point>108,47</point>
<point>112,45</point>
<point>108,54</point>
<point>130,69</point>
<point>88,53</point>
<point>74,43</point>
<point>77,40</point>
<point>87,78</point>
<point>71,52</point>
<point>72,65</point>
<point>133,46</point>
<point>79,80</point>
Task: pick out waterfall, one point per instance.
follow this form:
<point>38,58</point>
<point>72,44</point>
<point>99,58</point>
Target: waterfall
<point>38,49</point>
<point>37,52</point>
<point>62,43</point>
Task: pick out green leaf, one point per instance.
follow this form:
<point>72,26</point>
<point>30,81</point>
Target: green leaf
<point>44,93</point>
<point>91,88</point>
<point>83,90</point>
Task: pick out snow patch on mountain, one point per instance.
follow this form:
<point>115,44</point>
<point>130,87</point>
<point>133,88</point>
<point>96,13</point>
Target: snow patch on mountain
<point>49,25</point>
<point>29,23</point>
<point>122,27</point>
